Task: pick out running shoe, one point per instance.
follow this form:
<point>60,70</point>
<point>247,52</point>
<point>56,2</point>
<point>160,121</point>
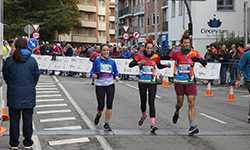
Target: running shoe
<point>12,147</point>
<point>93,83</point>
<point>107,127</point>
<point>142,120</point>
<point>175,118</point>
<point>97,119</point>
<point>193,130</point>
<point>27,147</point>
<point>248,119</point>
<point>153,128</point>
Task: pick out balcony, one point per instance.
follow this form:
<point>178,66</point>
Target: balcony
<point>112,18</point>
<point>101,39</point>
<point>124,11</point>
<point>111,31</point>
<point>102,25</point>
<point>164,2</point>
<point>87,8</point>
<point>165,26</point>
<point>138,9</point>
<point>102,10</point>
<point>82,38</point>
<point>64,37</point>
<point>88,23</point>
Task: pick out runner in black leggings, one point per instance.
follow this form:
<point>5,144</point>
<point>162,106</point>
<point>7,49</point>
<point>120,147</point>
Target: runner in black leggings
<point>103,70</point>
<point>147,62</point>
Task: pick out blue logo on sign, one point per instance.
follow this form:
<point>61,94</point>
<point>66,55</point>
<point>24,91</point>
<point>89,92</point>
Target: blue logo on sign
<point>214,23</point>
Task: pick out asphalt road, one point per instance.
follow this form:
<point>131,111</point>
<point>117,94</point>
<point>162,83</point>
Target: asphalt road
<point>66,107</point>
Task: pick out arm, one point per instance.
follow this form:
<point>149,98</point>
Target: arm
<point>6,71</point>
<point>94,67</point>
<point>116,73</point>
<point>133,63</point>
<point>202,61</point>
<point>160,66</point>
<point>165,57</point>
<point>36,71</point>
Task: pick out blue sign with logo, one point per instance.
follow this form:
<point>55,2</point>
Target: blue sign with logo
<point>214,23</point>
<point>32,43</point>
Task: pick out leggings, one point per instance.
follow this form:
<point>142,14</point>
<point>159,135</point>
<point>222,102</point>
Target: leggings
<point>151,94</point>
<point>100,95</point>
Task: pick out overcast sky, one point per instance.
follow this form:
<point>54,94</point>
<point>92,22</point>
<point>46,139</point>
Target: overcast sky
<point>112,0</point>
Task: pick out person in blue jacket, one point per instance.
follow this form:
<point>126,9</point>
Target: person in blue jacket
<point>244,68</point>
<point>21,75</point>
<point>103,70</point>
<point>125,52</point>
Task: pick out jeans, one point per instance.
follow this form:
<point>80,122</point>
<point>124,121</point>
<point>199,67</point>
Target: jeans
<point>223,75</point>
<point>15,115</point>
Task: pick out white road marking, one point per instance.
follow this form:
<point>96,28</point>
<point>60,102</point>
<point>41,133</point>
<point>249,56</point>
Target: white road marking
<point>54,95</point>
<point>138,89</point>
<point>65,128</point>
<point>44,83</point>
<point>57,119</point>
<point>101,139</point>
<point>53,111</point>
<point>41,89</point>
<point>43,86</point>
<point>49,100</point>
<point>51,105</point>
<point>69,141</point>
<point>213,118</point>
<point>245,96</point>
<point>36,145</point>
<point>46,92</point>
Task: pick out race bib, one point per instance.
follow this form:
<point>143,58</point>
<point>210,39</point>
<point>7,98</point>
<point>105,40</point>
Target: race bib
<point>106,68</point>
<point>147,70</point>
<point>184,68</point>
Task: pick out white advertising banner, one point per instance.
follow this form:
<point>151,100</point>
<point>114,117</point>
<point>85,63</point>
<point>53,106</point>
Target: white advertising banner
<point>78,64</point>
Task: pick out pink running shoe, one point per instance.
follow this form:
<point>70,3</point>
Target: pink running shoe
<point>142,120</point>
<point>153,128</point>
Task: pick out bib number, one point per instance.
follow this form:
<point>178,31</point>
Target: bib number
<point>147,70</point>
<point>106,68</point>
<point>184,68</point>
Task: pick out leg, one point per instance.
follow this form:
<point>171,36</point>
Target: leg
<point>110,97</point>
<point>14,126</point>
<point>179,103</point>
<point>179,90</point>
<point>100,95</point>
<point>151,101</point>
<point>143,92</point>
<point>191,108</point>
<point>27,115</point>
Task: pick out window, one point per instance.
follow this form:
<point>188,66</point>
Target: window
<point>126,3</point>
<point>102,34</point>
<point>110,25</point>
<point>148,20</point>
<point>153,19</point>
<point>86,16</point>
<point>224,4</point>
<point>101,18</point>
<point>142,22</point>
<point>86,32</point>
<point>173,8</point>
<point>165,14</point>
<point>75,31</point>
<point>86,2</point>
<point>180,8</point>
<point>109,11</point>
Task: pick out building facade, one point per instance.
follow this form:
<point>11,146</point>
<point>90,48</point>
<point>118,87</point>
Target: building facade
<point>95,24</point>
<point>210,19</point>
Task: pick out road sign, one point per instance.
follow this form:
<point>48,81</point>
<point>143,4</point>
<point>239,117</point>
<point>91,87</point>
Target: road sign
<point>32,43</point>
<point>28,29</point>
<point>125,27</point>
<point>36,35</point>
<point>126,36</point>
<point>35,26</point>
<point>136,34</point>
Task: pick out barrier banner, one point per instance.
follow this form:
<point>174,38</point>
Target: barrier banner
<point>79,64</point>
<point>211,71</point>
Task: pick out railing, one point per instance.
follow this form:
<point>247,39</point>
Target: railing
<point>164,2</point>
<point>165,26</point>
<point>123,11</point>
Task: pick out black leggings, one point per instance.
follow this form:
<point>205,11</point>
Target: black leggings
<point>151,94</point>
<point>100,95</point>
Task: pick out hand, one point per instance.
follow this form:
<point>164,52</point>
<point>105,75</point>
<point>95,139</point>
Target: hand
<point>221,58</point>
<point>142,62</point>
<point>94,76</point>
<point>237,83</point>
<point>195,59</point>
<point>117,78</point>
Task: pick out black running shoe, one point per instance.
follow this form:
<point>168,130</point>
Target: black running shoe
<point>193,130</point>
<point>153,128</point>
<point>107,127</point>
<point>175,118</point>
<point>97,119</point>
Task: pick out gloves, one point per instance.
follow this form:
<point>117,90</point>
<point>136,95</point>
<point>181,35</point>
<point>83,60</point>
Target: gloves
<point>195,59</point>
<point>143,62</point>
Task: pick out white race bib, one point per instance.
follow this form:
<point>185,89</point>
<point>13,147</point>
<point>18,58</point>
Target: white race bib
<point>147,70</point>
<point>106,68</point>
<point>184,68</point>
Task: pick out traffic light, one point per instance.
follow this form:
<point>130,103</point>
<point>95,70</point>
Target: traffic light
<point>190,28</point>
